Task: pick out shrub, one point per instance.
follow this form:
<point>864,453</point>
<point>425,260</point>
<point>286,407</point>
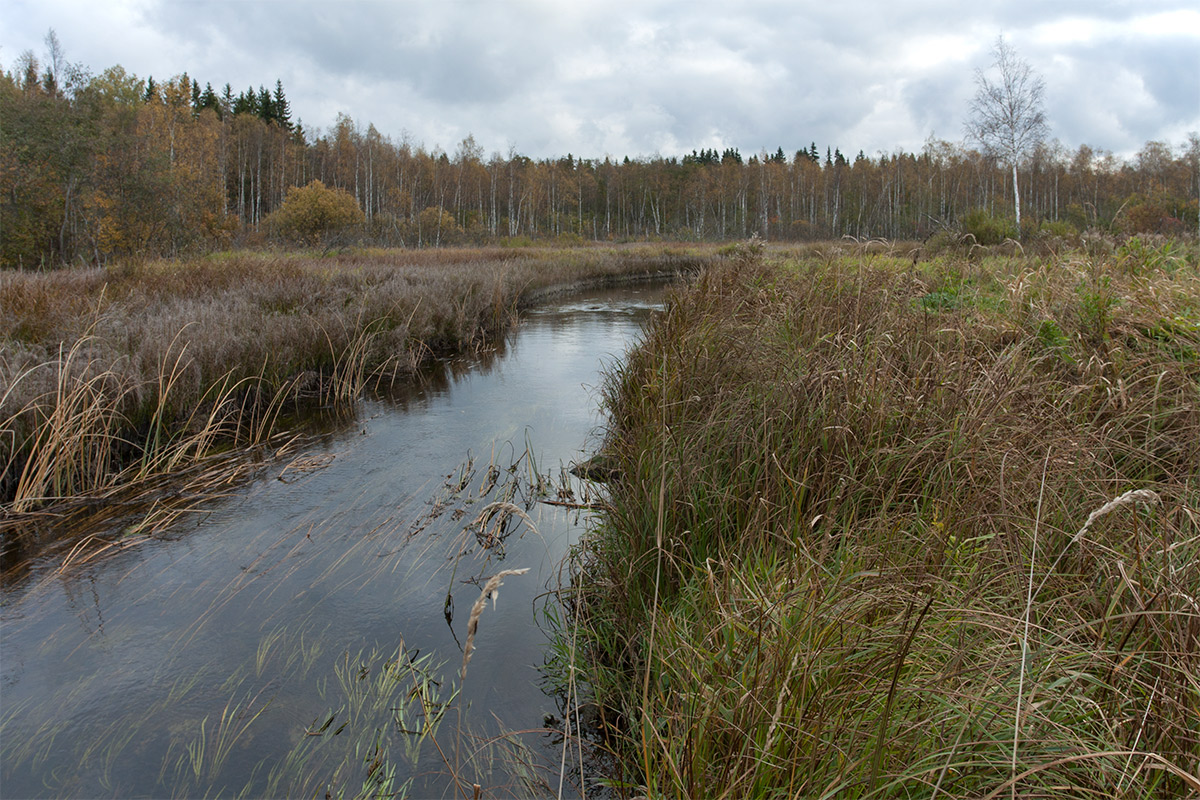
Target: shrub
<point>315,214</point>
<point>436,226</point>
<point>988,229</point>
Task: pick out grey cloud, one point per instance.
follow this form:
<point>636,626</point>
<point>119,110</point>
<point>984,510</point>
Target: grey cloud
<point>642,75</point>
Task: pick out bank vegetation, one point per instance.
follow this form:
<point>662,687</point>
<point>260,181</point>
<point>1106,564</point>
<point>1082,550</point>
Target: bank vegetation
<point>896,529</point>
<point>119,375</point>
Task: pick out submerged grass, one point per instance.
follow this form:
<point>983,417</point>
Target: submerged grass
<point>251,697</point>
<point>114,377</point>
<point>865,543</point>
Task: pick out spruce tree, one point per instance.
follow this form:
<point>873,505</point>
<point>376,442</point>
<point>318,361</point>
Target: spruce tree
<point>282,108</point>
<point>266,107</point>
<point>248,101</point>
<point>208,99</point>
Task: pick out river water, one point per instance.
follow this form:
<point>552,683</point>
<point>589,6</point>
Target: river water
<point>304,636</point>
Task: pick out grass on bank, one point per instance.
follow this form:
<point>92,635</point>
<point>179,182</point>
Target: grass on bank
<point>864,541</point>
<point>113,376</point>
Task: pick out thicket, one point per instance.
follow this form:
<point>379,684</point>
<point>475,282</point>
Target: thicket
<point>885,530</point>
<point>100,168</point>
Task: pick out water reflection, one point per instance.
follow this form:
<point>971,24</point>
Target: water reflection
<point>306,634</point>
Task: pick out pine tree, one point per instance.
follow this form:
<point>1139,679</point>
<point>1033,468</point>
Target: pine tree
<point>151,89</point>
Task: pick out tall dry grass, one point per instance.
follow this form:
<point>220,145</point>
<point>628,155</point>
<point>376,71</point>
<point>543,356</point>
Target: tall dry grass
<point>115,375</point>
<point>856,550</point>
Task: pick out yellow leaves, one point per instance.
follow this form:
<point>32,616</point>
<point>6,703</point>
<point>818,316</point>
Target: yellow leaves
<point>313,212</point>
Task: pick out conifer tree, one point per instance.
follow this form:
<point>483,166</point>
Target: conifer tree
<point>266,107</point>
<point>282,108</point>
<point>246,102</point>
<point>208,99</point>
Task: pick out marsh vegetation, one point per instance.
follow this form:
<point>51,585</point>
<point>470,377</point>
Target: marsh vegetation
<point>306,632</point>
<point>889,528</point>
<point>114,377</point>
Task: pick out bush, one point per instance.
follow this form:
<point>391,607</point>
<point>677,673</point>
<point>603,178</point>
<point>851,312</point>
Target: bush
<point>435,226</point>
<point>315,214</point>
<point>988,229</point>
<point>1060,228</point>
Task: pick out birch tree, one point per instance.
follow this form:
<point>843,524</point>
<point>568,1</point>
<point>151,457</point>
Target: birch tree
<point>1006,116</point>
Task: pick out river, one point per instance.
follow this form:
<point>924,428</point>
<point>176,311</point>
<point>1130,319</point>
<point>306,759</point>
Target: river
<point>296,638</point>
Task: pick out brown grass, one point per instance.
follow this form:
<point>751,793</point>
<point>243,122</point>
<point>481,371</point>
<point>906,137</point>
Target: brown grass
<point>152,365</point>
<point>886,529</point>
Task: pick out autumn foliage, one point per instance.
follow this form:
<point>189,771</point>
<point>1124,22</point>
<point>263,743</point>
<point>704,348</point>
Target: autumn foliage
<point>314,214</point>
<point>113,167</point>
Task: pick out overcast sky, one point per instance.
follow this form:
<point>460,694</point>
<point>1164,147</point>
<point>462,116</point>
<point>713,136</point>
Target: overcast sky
<point>646,77</point>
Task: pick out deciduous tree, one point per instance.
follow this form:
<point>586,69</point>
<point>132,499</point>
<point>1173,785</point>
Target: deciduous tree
<point>1007,117</point>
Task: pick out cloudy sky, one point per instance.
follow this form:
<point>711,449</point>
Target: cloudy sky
<point>645,77</point>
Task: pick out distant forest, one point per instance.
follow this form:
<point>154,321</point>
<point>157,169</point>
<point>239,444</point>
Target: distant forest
<point>111,166</point>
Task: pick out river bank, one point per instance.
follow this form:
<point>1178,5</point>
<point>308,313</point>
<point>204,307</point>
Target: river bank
<point>119,375</point>
<point>886,528</point>
<point>305,634</point>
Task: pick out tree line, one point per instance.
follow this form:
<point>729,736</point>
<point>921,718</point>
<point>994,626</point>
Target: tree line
<point>101,167</point>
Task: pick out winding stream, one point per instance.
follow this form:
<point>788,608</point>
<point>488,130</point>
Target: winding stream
<point>296,638</point>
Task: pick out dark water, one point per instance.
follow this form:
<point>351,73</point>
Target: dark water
<point>295,639</point>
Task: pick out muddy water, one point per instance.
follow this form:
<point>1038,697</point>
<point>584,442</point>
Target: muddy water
<point>305,635</point>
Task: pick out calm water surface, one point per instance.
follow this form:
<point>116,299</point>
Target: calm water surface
<point>296,638</point>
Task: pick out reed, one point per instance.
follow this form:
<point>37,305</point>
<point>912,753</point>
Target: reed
<point>818,575</point>
<point>115,376</point>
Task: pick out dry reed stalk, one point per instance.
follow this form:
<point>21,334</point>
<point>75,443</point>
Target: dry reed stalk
<point>73,443</point>
<point>490,589</point>
<point>505,510</point>
<point>1147,496</point>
